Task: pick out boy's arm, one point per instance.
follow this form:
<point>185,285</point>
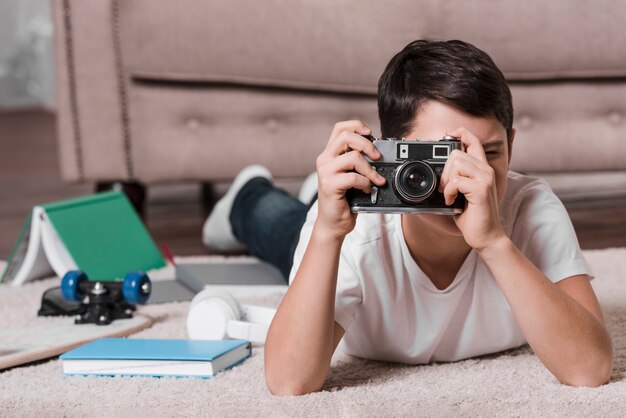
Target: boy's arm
<point>562,322</point>
<point>303,334</point>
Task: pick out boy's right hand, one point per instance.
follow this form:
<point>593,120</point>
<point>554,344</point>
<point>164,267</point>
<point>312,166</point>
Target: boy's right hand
<point>340,167</point>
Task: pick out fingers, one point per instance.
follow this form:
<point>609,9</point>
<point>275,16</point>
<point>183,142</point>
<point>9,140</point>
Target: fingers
<point>340,183</point>
<point>466,172</point>
<point>359,169</point>
<point>347,136</point>
<point>460,164</point>
<point>453,188</point>
<point>342,165</point>
<point>474,191</point>
<point>347,141</point>
<point>350,125</point>
<point>461,170</point>
<point>472,144</point>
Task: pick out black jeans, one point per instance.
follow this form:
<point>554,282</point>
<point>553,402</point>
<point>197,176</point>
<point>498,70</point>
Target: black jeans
<point>268,221</point>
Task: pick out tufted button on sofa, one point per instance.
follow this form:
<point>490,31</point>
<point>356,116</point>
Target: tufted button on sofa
<point>194,90</point>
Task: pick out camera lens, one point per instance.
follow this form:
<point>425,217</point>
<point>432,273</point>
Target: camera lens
<point>415,181</point>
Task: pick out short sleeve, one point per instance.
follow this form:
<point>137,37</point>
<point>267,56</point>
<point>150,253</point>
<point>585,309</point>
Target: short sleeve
<point>543,231</point>
<point>303,241</point>
<point>349,292</point>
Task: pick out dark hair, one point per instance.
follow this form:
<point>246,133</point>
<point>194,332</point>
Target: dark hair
<point>453,72</point>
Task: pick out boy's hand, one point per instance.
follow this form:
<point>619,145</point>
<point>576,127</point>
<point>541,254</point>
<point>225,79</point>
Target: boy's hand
<point>340,167</point>
<point>469,173</point>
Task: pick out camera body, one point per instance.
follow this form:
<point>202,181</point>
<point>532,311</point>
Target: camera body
<point>413,170</point>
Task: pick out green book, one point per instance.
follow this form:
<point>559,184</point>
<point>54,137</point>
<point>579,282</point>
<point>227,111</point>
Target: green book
<point>100,234</point>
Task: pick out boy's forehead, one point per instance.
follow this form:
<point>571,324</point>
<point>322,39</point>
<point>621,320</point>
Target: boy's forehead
<point>434,119</point>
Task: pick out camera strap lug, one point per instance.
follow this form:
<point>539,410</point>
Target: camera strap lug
<point>374,194</point>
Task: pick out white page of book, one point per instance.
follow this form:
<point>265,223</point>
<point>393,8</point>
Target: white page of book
<point>56,251</point>
<point>35,264</point>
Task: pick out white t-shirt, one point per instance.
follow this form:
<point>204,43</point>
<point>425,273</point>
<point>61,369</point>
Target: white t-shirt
<point>391,311</point>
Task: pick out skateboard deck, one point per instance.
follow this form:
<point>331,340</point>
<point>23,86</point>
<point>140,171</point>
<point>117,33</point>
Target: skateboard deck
<point>56,336</point>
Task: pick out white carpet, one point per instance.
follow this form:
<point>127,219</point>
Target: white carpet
<point>509,384</point>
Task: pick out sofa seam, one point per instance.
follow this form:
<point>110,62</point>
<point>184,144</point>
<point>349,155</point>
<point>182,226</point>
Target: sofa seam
<point>73,90</point>
<point>122,90</point>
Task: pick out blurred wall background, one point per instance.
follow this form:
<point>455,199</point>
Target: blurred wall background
<point>26,54</point>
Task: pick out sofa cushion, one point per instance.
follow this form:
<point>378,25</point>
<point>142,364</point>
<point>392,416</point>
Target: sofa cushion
<point>591,188</point>
<point>299,44</point>
<point>569,126</point>
<point>572,128</point>
<point>205,132</point>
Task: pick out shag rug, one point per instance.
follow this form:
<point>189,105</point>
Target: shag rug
<point>513,383</point>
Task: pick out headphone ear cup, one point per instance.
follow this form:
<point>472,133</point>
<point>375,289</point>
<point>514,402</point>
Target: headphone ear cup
<point>202,295</point>
<point>210,313</point>
<point>209,293</point>
<point>230,300</point>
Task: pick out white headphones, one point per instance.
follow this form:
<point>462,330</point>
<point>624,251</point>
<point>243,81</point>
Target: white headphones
<point>216,315</point>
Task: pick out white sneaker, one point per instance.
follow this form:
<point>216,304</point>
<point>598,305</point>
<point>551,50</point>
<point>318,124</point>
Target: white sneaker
<point>217,232</point>
<point>308,188</point>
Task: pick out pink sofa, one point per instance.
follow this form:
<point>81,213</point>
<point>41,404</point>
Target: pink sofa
<point>194,90</point>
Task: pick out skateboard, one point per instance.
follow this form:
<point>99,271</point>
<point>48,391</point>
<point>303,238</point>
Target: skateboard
<point>105,301</point>
<point>106,312</point>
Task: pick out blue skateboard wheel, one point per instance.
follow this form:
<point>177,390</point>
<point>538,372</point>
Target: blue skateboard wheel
<point>136,287</point>
<point>70,285</point>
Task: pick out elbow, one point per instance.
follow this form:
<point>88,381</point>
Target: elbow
<point>284,378</point>
<point>283,382</point>
<point>283,387</point>
<point>586,380</point>
<point>290,390</point>
<point>594,375</point>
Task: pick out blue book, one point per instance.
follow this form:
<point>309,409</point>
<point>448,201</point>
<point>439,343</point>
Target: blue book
<point>158,358</point>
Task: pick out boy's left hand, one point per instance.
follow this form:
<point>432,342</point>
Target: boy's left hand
<point>469,173</point>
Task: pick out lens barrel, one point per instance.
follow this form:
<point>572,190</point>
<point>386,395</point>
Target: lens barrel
<point>415,181</point>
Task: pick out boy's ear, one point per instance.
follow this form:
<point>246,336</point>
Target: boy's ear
<point>510,143</point>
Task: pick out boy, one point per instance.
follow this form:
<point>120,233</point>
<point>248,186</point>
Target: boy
<point>420,288</point>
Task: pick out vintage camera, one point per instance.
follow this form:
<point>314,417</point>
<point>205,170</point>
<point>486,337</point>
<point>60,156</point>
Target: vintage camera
<point>412,170</point>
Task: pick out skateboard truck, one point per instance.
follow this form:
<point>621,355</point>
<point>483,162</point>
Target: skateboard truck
<point>105,301</point>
